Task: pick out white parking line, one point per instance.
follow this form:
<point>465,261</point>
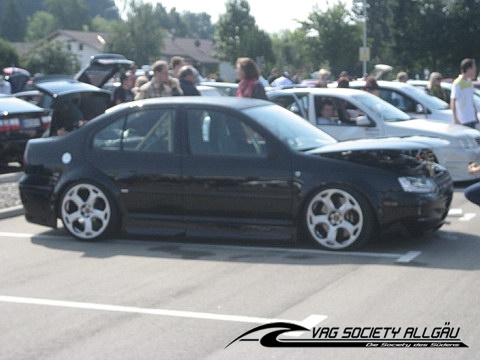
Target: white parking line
<point>467,217</point>
<point>457,212</point>
<point>308,322</point>
<point>400,258</point>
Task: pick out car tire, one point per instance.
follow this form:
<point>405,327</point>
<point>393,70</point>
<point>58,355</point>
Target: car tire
<point>88,212</point>
<point>338,218</point>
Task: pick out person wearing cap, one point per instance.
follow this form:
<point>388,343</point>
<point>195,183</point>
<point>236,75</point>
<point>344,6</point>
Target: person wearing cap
<point>282,80</point>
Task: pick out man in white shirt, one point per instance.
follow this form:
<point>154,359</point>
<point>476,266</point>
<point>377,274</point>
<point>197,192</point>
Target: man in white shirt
<point>461,98</point>
<point>282,80</point>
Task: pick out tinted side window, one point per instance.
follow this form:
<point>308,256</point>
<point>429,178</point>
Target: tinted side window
<point>143,131</point>
<point>217,133</point>
<point>398,100</point>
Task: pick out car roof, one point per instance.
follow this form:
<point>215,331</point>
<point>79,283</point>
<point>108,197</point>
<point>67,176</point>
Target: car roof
<point>318,91</point>
<point>227,102</point>
<point>64,86</point>
<point>382,83</point>
<point>219,84</point>
<point>13,105</point>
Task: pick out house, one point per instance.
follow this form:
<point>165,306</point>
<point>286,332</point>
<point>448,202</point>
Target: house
<point>199,52</point>
<point>83,43</point>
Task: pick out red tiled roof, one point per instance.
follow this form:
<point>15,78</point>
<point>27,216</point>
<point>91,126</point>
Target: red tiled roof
<point>201,51</point>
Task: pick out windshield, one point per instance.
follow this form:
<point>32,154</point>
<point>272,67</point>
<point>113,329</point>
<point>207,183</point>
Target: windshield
<point>431,102</point>
<point>291,129</point>
<point>382,109</point>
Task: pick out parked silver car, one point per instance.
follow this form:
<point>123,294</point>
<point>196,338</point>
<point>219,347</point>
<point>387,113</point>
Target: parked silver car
<point>358,114</point>
<point>412,100</point>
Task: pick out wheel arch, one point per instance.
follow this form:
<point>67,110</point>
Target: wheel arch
<point>93,176</point>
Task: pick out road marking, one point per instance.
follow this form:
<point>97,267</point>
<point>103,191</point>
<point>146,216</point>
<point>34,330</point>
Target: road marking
<point>399,257</point>
<point>455,212</point>
<point>408,257</point>
<point>467,217</point>
<point>308,322</point>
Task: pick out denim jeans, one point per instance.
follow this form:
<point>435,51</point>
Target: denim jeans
<point>471,124</point>
<point>472,193</point>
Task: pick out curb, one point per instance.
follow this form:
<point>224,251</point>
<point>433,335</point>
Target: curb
<point>12,211</point>
<point>11,177</point>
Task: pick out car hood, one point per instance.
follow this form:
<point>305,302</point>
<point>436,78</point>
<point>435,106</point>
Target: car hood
<point>437,128</point>
<point>387,143</point>
<point>410,155</point>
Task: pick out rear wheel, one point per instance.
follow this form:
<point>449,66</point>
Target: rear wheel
<point>338,218</point>
<point>87,212</point>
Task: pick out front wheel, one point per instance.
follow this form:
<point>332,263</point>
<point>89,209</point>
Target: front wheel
<point>338,218</point>
<point>87,212</point>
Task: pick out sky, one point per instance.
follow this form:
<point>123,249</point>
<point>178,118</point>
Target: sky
<point>270,15</point>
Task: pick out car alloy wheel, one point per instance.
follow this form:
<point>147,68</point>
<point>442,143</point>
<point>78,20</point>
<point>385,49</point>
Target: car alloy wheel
<point>86,211</point>
<point>338,219</point>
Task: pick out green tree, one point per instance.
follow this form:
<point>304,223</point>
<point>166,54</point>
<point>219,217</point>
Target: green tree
<point>40,25</point>
<point>69,14</point>
<point>103,8</point>
<point>380,28</point>
<point>8,54</point>
<point>464,27</point>
<point>292,52</point>
<point>50,58</point>
<point>138,38</point>
<point>238,35</point>
<point>102,25</point>
<point>198,25</point>
<point>332,37</point>
<point>12,24</point>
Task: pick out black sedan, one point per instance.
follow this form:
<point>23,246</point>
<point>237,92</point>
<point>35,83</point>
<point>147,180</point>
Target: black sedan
<point>242,168</point>
<point>19,122</point>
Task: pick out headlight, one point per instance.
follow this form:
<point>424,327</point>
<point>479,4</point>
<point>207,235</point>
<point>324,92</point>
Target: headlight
<point>417,184</point>
<point>468,143</point>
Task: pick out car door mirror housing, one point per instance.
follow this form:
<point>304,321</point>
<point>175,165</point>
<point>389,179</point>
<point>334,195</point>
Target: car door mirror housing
<point>363,121</point>
<point>420,109</point>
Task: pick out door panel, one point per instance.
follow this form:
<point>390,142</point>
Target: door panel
<point>228,174</point>
<point>139,153</point>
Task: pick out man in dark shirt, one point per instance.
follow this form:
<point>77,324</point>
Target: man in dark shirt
<point>123,93</point>
<point>188,78</point>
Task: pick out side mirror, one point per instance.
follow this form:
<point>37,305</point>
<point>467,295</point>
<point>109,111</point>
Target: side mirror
<point>420,109</point>
<point>362,121</point>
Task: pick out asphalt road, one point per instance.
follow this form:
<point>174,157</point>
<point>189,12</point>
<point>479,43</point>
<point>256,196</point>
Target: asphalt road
<point>161,299</point>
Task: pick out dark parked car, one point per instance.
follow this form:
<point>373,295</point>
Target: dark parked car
<point>241,168</point>
<point>72,101</point>
<point>19,122</point>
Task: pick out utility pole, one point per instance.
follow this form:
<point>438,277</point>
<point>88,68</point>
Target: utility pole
<point>364,36</point>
